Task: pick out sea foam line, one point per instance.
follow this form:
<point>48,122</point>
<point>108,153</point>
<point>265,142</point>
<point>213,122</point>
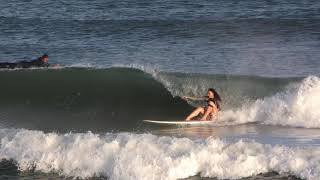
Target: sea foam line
<point>146,156</point>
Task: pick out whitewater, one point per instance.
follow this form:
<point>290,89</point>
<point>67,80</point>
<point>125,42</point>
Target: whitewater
<point>145,156</point>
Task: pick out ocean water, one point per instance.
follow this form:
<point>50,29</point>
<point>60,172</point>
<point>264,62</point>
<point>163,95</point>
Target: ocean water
<point>125,61</point>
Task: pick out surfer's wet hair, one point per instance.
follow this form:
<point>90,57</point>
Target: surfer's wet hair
<point>216,95</point>
<point>216,98</point>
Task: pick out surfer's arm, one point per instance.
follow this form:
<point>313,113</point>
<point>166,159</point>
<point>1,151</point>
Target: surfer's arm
<point>194,98</point>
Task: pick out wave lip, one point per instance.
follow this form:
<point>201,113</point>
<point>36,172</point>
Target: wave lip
<point>145,156</point>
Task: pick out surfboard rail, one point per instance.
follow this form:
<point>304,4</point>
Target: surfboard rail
<point>193,122</point>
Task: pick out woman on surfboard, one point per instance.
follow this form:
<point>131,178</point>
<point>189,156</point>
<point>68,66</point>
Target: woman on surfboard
<point>210,110</point>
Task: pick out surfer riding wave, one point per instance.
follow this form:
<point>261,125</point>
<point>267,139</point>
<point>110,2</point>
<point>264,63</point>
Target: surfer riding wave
<point>208,112</point>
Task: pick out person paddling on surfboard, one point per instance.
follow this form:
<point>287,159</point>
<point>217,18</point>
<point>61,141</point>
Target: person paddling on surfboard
<point>210,110</point>
<point>39,62</point>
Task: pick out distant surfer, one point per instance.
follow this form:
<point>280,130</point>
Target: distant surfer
<point>39,62</point>
<point>208,112</point>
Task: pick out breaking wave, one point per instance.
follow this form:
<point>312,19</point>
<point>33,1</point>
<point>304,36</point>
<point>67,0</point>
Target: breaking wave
<point>120,97</point>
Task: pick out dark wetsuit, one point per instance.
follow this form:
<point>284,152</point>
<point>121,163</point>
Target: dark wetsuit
<point>8,65</point>
<point>24,64</point>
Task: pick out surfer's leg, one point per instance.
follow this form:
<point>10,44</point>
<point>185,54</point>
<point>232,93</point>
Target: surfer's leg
<point>196,112</point>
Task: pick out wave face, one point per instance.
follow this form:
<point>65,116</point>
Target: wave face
<point>120,97</point>
<point>87,99</point>
<point>145,156</point>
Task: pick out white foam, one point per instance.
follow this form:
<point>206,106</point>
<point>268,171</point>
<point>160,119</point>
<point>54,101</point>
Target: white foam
<point>298,106</point>
<point>145,156</point>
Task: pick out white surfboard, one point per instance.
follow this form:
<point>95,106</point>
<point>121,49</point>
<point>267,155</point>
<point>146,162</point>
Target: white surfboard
<point>179,122</point>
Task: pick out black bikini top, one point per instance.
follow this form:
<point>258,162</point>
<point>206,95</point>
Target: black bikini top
<point>210,100</point>
<point>214,102</point>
